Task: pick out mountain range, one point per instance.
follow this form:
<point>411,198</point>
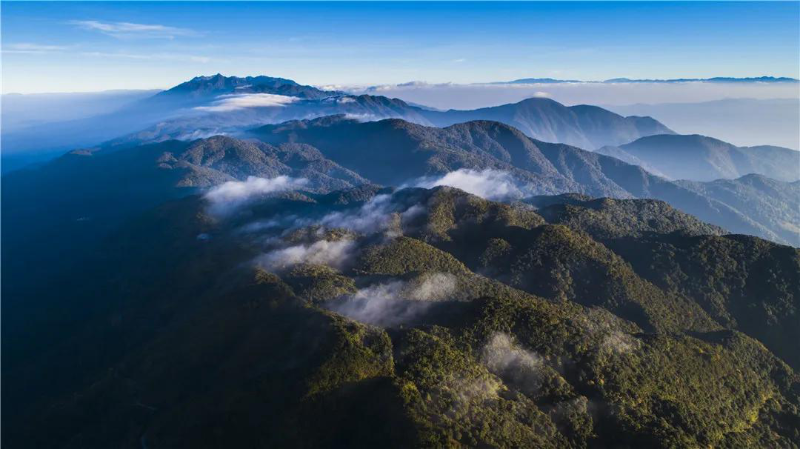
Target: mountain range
<point>548,120</point>
<point>702,158</point>
<point>325,276</point>
<point>335,152</point>
<point>717,79</point>
<point>740,121</point>
<point>210,105</point>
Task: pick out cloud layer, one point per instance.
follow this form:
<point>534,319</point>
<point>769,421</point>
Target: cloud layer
<point>334,254</point>
<point>123,30</point>
<point>226,103</point>
<point>397,302</point>
<point>514,365</point>
<point>227,197</point>
<point>489,184</point>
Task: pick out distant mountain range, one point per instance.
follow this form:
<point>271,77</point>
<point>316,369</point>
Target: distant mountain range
<point>409,150</point>
<point>209,87</point>
<point>740,121</point>
<point>498,137</point>
<point>548,120</point>
<point>718,79</point>
<point>210,105</point>
<point>703,158</point>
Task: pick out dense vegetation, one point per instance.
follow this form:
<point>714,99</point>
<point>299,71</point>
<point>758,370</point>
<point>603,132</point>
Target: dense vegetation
<point>390,152</point>
<point>444,320</point>
<point>333,312</point>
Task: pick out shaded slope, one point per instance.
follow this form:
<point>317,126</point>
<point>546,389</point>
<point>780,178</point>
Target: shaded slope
<point>701,158</point>
<point>547,120</point>
<point>393,151</point>
<point>203,348</point>
<point>776,204</point>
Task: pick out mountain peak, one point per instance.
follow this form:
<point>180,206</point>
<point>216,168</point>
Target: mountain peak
<point>219,84</point>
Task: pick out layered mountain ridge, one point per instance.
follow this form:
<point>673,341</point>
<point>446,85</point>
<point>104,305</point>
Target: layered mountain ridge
<point>209,105</point>
<point>326,270</point>
<point>701,158</point>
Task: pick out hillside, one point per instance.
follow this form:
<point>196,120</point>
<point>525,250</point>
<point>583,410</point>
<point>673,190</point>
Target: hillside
<point>775,203</point>
<point>328,154</point>
<point>547,120</point>
<point>408,151</point>
<point>210,105</point>
<point>701,158</point>
<point>377,330</point>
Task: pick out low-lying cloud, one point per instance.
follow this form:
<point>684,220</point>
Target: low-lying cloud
<point>397,302</point>
<point>516,366</point>
<point>229,196</point>
<point>472,96</point>
<point>490,184</point>
<point>373,216</point>
<point>333,253</point>
<point>233,102</point>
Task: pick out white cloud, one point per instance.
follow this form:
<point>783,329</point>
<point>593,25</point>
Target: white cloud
<point>489,184</point>
<point>620,343</point>
<point>373,216</point>
<point>227,197</point>
<point>514,365</point>
<point>226,103</point>
<point>397,302</point>
<point>150,56</point>
<point>29,48</point>
<point>434,287</point>
<point>124,30</point>
<point>334,254</point>
<point>364,117</point>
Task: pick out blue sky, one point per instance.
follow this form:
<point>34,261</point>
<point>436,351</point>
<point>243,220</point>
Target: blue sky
<point>62,47</point>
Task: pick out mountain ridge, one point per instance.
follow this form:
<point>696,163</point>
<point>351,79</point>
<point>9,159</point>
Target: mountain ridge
<point>414,337</point>
<point>702,158</point>
<point>717,79</point>
<point>208,105</point>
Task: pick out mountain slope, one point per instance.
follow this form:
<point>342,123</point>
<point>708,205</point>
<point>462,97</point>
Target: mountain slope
<point>397,342</point>
<point>391,152</point>
<point>67,206</point>
<point>765,200</point>
<point>547,120</point>
<point>210,105</point>
<point>50,139</point>
<point>609,218</point>
<point>205,87</point>
<point>329,154</point>
<point>701,158</point>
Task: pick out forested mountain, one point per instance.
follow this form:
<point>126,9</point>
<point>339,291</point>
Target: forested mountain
<point>334,153</point>
<point>413,318</point>
<point>391,152</point>
<point>331,282</point>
